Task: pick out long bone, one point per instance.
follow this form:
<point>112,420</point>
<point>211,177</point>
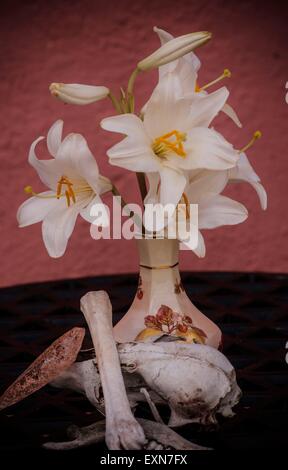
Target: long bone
<point>122,429</point>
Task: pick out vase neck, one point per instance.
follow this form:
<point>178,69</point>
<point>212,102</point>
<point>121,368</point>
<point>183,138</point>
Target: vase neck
<point>158,253</point>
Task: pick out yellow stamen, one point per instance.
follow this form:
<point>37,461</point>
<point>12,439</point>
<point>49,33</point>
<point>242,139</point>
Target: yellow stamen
<point>67,198</point>
<point>29,190</point>
<point>65,181</point>
<point>187,205</point>
<point>59,187</point>
<point>171,141</point>
<point>72,194</point>
<point>69,193</point>
<point>226,74</point>
<point>256,136</point>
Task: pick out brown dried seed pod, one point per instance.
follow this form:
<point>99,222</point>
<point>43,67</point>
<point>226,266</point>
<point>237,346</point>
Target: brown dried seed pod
<point>59,356</point>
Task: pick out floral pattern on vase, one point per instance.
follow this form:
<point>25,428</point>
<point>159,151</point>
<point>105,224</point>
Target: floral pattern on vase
<point>172,324</point>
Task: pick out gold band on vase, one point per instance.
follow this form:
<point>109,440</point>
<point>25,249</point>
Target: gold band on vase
<point>159,267</point>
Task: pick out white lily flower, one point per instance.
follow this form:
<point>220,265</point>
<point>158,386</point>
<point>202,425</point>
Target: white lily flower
<point>174,49</point>
<point>187,68</point>
<point>75,93</point>
<point>173,137</point>
<point>214,210</point>
<point>74,183</point>
<point>244,171</point>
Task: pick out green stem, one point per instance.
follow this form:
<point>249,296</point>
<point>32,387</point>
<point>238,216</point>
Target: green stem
<point>142,185</point>
<point>123,203</point>
<point>115,102</point>
<point>131,81</point>
<point>129,213</point>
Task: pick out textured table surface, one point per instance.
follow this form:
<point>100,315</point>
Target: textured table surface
<point>250,309</point>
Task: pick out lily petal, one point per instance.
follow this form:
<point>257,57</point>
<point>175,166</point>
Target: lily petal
<point>134,152</point>
<point>200,250</point>
<point>172,186</point>
<point>165,111</point>
<point>76,160</point>
<point>229,111</point>
<point>206,181</point>
<point>104,184</point>
<point>215,211</point>
<point>34,209</point>
<point>261,194</point>
<point>128,124</point>
<point>54,137</point>
<point>244,171</point>
<point>207,149</point>
<point>152,197</point>
<point>48,170</point>
<point>57,228</point>
<point>187,76</point>
<point>89,212</point>
<point>205,107</point>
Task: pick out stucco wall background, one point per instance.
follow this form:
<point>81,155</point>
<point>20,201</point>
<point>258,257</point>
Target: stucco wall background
<point>98,42</point>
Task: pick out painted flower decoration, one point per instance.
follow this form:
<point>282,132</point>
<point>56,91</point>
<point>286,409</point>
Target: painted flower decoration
<point>74,183</point>
<point>172,323</point>
<point>173,138</point>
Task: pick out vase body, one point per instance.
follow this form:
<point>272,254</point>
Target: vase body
<point>161,304</point>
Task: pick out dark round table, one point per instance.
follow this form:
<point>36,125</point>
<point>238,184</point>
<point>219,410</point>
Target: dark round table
<point>251,310</point>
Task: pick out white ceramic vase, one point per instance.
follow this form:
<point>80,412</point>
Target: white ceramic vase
<point>161,304</point>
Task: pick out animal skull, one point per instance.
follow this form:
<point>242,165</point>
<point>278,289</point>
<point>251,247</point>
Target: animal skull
<point>196,381</point>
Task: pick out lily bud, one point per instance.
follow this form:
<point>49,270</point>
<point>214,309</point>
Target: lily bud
<point>172,50</point>
<point>78,94</point>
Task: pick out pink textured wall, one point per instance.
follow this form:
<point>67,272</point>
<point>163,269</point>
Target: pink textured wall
<point>99,42</point>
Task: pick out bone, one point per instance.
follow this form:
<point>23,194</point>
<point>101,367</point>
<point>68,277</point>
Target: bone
<point>159,437</point>
<point>195,380</point>
<point>50,364</point>
<point>83,377</point>
<point>152,405</point>
<point>122,429</point>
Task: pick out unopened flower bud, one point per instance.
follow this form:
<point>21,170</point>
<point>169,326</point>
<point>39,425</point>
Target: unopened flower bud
<point>75,93</point>
<point>174,49</point>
